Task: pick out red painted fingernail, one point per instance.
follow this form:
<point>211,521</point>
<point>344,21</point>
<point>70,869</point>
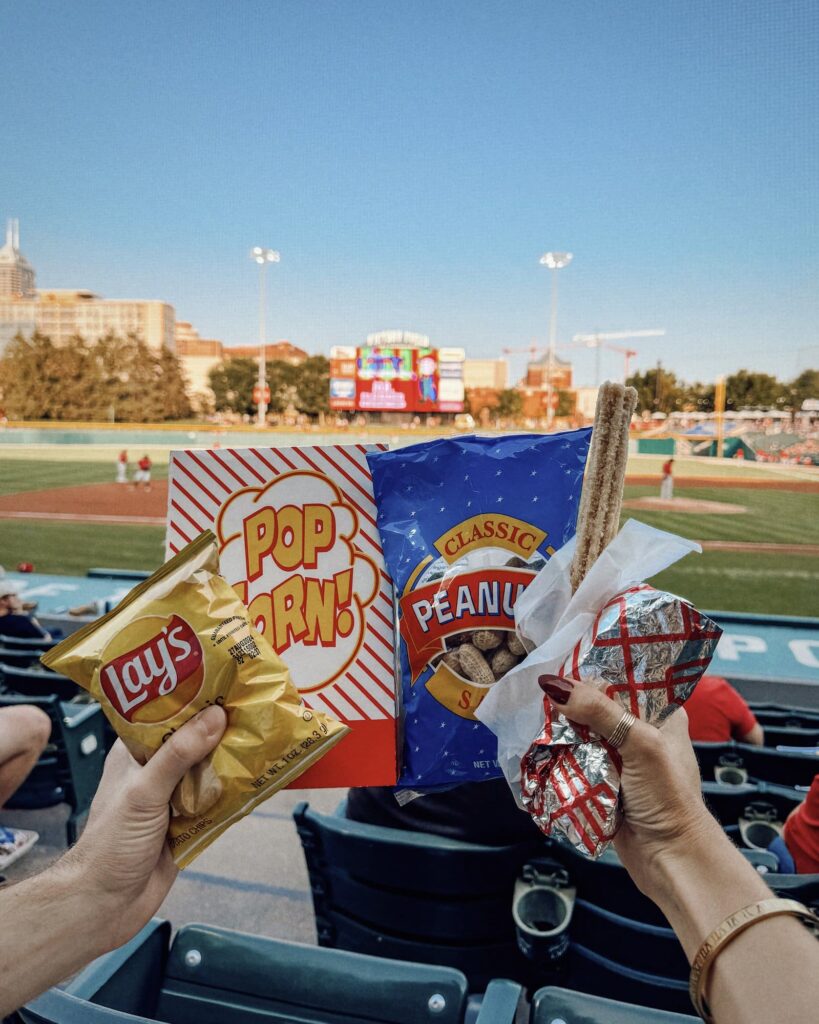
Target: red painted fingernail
<point>558,689</point>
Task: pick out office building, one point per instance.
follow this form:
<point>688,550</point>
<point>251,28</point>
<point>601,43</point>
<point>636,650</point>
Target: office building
<point>62,314</point>
<point>486,374</point>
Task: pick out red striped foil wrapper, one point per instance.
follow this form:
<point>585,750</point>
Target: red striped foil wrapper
<point>647,649</point>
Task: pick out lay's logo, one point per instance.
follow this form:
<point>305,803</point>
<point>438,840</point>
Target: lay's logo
<point>156,678</point>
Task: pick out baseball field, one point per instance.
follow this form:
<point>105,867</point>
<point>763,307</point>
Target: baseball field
<point>61,510</point>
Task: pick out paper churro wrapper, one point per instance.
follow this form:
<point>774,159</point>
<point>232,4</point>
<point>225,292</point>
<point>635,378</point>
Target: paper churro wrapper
<point>176,643</point>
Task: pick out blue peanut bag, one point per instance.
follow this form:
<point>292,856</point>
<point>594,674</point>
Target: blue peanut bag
<point>465,525</point>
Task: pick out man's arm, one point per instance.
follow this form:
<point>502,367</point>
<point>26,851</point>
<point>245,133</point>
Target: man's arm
<point>110,884</point>
<point>755,736</point>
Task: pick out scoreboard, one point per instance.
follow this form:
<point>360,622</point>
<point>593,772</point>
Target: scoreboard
<point>379,377</point>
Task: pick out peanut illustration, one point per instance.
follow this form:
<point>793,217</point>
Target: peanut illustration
<point>487,639</point>
<point>474,666</point>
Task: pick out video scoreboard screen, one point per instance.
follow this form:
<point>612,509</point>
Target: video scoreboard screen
<point>387,378</point>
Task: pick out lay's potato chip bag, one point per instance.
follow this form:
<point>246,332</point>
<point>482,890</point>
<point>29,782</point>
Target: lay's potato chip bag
<point>178,642</point>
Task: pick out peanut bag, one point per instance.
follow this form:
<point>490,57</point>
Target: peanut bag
<point>466,524</point>
<point>176,643</point>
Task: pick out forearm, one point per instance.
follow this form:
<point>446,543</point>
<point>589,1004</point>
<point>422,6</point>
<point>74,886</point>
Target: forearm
<point>52,927</point>
<point>769,968</point>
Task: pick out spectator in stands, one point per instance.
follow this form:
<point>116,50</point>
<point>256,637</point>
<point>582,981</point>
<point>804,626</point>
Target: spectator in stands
<point>14,622</point>
<point>718,714</point>
<point>24,733</point>
<point>798,846</point>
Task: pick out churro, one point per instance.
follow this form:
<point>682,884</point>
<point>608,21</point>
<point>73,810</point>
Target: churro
<point>602,496</point>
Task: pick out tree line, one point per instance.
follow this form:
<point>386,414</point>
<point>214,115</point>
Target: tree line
<point>115,379</point>
<point>659,390</point>
<point>304,388</point>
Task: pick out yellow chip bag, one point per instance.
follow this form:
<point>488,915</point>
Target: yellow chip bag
<point>176,643</point>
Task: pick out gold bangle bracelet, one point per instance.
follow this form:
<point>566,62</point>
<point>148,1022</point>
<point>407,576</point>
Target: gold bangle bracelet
<point>727,931</point>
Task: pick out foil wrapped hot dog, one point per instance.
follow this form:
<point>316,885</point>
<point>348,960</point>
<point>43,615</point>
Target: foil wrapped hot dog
<point>646,649</point>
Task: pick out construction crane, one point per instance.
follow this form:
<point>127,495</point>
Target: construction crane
<point>532,350</point>
<point>600,340</point>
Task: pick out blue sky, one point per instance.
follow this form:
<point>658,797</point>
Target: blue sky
<point>412,160</point>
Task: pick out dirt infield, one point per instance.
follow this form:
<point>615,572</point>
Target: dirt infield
<point>748,483</point>
<point>124,504</point>
<point>103,503</point>
<point>715,508</point>
<point>761,548</point>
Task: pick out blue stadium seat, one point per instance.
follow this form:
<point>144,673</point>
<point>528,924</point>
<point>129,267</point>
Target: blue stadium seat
<point>71,766</point>
<point>606,884</point>
<point>214,976</point>
<point>784,714</point>
<point>598,975</point>
<point>37,682</point>
<point>550,1005</point>
<point>791,736</point>
<point>412,896</point>
<point>730,803</point>
<point>631,943</point>
<point>22,653</point>
<point>762,764</point>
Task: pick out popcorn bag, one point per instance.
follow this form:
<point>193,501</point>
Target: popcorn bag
<point>642,647</point>
<point>466,524</point>
<point>176,643</point>
<point>298,541</point>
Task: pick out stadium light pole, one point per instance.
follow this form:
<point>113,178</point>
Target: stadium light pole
<point>262,257</point>
<point>553,261</point>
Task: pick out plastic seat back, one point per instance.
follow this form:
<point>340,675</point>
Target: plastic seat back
<point>552,1004</point>
<point>599,975</point>
<point>791,736</point>
<point>730,803</point>
<point>413,896</point>
<point>607,884</point>
<point>38,682</point>
<point>214,975</point>
<point>71,769</point>
<point>780,767</point>
<point>634,944</point>
<point>762,763</point>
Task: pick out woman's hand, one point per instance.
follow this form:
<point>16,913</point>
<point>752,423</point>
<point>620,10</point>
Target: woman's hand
<point>664,815</point>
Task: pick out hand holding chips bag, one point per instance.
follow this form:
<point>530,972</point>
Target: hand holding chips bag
<point>178,642</point>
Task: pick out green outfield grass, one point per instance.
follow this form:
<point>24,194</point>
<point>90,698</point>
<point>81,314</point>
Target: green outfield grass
<point>74,548</point>
<point>25,475</point>
<point>732,581</point>
<point>739,581</point>
<point>773,517</point>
